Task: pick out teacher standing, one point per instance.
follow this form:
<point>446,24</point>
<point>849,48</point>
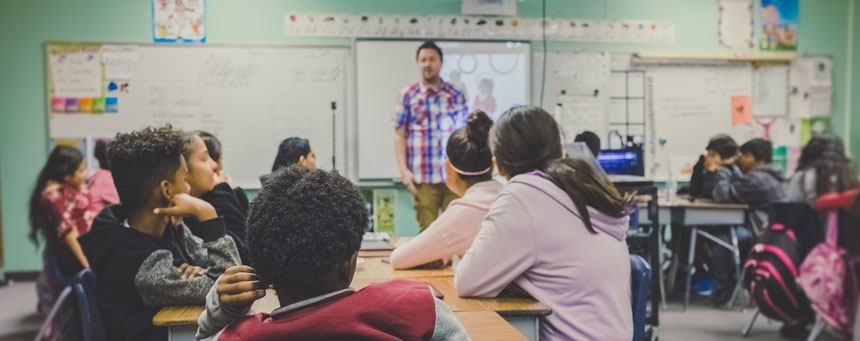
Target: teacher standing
<point>426,114</point>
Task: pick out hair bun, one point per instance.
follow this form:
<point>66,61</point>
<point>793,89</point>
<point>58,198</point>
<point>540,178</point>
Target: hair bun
<point>478,126</point>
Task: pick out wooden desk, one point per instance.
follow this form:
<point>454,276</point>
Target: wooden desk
<point>374,268</point>
<point>480,325</point>
<point>522,314</point>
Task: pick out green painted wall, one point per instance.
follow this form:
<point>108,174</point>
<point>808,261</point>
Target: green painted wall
<point>855,85</point>
<point>26,25</point>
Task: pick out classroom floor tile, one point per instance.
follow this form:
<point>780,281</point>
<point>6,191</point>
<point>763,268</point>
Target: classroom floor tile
<point>704,322</point>
<point>18,317</point>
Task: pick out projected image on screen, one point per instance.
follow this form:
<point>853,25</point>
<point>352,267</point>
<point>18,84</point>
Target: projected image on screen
<point>492,82</point>
<point>493,76</point>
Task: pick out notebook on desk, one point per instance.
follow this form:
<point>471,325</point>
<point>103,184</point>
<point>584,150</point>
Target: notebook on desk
<point>376,241</point>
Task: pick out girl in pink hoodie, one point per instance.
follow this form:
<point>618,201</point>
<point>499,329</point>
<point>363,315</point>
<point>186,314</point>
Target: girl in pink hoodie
<point>469,171</point>
<point>556,230</point>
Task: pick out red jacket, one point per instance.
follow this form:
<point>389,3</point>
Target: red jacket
<point>393,310</point>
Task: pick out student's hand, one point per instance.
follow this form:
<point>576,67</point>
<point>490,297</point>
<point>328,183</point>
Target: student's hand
<point>713,162</point>
<point>409,180</point>
<point>189,272</point>
<point>221,177</point>
<point>185,205</point>
<point>239,287</point>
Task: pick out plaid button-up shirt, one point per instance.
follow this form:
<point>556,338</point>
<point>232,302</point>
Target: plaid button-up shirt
<point>429,116</point>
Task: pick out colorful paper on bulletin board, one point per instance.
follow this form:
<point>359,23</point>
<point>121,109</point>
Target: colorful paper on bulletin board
<point>179,21</point>
<point>384,201</point>
<point>813,127</point>
<point>779,160</point>
<point>741,110</point>
<point>75,71</point>
<point>779,25</point>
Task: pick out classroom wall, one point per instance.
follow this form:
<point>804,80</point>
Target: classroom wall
<point>855,83</point>
<point>26,25</point>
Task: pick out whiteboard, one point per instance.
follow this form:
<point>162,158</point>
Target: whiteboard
<point>687,105</point>
<point>385,67</point>
<point>251,98</point>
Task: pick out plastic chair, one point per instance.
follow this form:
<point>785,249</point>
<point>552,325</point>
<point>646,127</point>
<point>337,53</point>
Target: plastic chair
<point>831,203</point>
<point>92,324</point>
<point>61,322</point>
<point>75,315</point>
<point>640,286</point>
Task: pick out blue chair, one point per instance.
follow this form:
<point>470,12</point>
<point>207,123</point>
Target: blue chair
<point>75,315</point>
<point>640,286</point>
<point>92,324</point>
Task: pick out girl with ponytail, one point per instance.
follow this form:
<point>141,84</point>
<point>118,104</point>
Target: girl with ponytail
<point>469,171</point>
<point>556,230</point>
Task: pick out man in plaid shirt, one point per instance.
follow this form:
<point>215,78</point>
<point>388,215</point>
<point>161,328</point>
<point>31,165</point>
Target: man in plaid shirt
<point>426,114</point>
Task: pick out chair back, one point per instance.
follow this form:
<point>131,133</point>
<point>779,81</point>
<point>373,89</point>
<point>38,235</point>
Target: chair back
<point>92,324</point>
<point>640,285</point>
<point>75,315</point>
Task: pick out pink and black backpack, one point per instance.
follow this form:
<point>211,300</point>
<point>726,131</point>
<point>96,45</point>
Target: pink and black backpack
<point>827,274</point>
<point>770,274</point>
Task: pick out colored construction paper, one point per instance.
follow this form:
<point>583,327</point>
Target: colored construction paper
<point>741,110</point>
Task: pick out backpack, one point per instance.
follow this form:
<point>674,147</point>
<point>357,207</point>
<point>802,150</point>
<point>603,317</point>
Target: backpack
<point>827,276</point>
<point>770,273</point>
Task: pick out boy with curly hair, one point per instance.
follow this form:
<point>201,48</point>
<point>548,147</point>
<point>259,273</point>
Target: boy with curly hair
<point>143,255</point>
<point>304,232</point>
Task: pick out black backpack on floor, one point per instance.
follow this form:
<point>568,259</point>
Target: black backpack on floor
<point>771,270</point>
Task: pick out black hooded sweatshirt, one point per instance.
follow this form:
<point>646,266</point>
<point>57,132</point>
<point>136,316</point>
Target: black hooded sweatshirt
<point>137,273</point>
<point>233,206</point>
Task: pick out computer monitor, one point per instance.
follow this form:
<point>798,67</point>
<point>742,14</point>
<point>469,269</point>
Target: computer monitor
<point>627,161</point>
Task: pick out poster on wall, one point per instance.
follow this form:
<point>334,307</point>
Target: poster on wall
<point>736,24</point>
<point>179,21</point>
<point>779,25</point>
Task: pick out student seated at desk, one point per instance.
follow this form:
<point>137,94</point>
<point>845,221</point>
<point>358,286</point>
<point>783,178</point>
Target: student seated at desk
<point>214,187</point>
<point>752,181</point>
<point>143,255</point>
<point>822,168</point>
<point>556,230</point>
<point>292,151</point>
<point>469,171</point>
<point>304,233</point>
<point>721,152</point>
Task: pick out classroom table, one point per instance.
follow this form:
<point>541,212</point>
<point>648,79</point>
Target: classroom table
<point>694,214</point>
<point>181,323</point>
<point>521,313</point>
<point>374,267</point>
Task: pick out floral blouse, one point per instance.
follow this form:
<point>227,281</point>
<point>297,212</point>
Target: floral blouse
<point>70,207</point>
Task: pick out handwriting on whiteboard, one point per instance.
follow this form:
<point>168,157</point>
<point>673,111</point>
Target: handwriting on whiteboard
<point>222,72</point>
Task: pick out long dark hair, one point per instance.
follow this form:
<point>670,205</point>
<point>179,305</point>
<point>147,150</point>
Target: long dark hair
<point>289,152</point>
<point>100,152</point>
<point>527,138</point>
<point>833,171</point>
<point>62,162</point>
<point>468,148</point>
<point>213,145</point>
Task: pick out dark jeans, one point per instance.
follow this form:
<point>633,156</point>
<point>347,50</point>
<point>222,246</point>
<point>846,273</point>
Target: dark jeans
<point>722,261</point>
